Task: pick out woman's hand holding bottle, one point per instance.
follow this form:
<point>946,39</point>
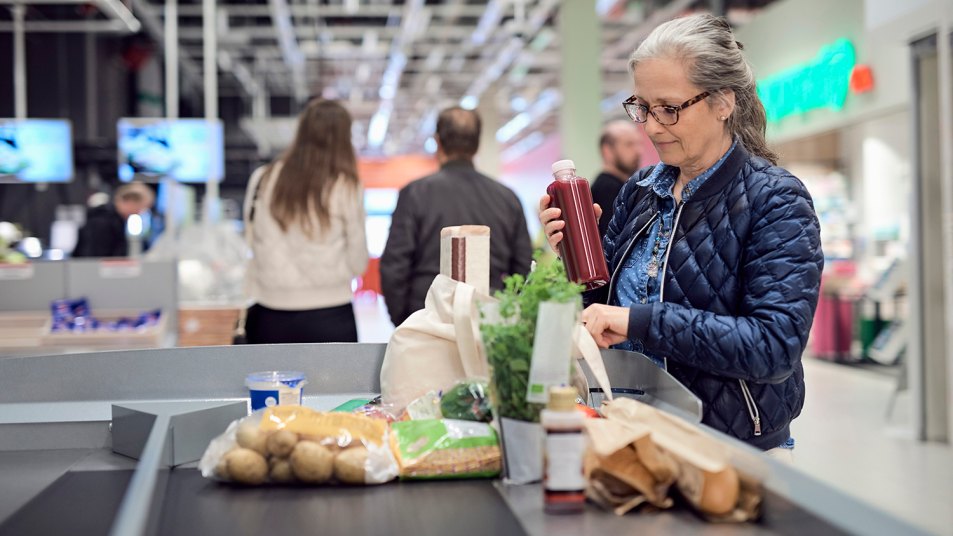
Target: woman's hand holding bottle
<point>549,217</point>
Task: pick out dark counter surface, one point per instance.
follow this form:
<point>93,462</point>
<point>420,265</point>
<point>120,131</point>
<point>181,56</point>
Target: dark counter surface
<point>84,500</point>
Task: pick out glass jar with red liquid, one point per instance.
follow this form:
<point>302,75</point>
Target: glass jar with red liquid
<point>581,247</point>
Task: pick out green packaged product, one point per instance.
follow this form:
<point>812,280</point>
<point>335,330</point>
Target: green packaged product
<point>445,448</point>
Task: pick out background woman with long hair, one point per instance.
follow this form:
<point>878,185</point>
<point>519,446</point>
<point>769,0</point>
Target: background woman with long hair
<point>304,220</point>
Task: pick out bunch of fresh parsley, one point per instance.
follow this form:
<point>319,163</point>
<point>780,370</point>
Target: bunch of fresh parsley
<point>509,343</point>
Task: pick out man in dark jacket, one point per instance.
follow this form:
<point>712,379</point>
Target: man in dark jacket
<point>456,195</point>
<point>621,148</point>
<point>104,234</point>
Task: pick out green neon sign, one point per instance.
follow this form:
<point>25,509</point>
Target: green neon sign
<point>822,83</point>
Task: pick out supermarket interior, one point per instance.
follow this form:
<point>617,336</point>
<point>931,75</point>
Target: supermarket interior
<point>349,195</point>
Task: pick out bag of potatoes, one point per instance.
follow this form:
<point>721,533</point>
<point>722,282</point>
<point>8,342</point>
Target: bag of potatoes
<point>640,455</point>
<point>295,444</point>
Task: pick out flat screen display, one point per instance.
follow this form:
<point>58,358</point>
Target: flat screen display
<point>36,150</point>
<point>187,150</point>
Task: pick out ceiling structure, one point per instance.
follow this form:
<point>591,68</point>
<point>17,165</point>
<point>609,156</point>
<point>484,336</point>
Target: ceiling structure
<point>396,63</point>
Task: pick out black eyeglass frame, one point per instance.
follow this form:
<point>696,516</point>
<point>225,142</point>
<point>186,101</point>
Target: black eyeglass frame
<point>630,105</point>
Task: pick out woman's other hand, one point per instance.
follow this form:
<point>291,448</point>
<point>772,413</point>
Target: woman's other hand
<point>608,324</point>
<point>552,225</point>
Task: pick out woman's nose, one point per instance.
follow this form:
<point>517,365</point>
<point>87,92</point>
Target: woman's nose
<point>652,126</point>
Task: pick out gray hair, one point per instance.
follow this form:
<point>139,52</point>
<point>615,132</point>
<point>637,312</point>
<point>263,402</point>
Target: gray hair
<point>715,63</point>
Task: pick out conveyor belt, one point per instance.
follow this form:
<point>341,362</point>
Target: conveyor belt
<point>194,505</point>
<point>85,502</point>
<point>77,503</point>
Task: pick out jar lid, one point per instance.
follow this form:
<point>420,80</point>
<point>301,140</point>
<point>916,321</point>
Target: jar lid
<point>563,164</point>
<point>562,399</point>
<point>290,378</point>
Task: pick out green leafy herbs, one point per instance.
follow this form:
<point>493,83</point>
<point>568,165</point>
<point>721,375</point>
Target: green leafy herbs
<point>509,339</point>
<point>466,401</point>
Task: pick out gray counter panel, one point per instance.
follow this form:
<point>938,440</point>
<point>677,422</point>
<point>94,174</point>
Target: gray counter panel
<point>46,283</point>
<point>212,373</point>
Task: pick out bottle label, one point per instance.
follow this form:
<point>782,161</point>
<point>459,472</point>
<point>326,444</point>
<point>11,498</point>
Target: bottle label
<point>564,455</point>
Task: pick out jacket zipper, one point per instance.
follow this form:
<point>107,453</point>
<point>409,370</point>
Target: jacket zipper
<point>752,407</point>
<point>668,250</point>
<point>628,250</point>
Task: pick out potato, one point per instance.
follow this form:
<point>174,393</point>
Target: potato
<point>221,468</point>
<point>311,462</point>
<point>250,437</point>
<point>349,465</point>
<point>246,466</point>
<point>281,443</point>
<point>281,470</point>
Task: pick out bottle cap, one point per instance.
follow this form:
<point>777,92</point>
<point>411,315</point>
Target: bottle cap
<point>563,164</point>
<point>562,399</point>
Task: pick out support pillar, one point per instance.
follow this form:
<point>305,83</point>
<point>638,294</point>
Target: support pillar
<point>580,116</point>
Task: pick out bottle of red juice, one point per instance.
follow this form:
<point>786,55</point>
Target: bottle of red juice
<point>580,248</point>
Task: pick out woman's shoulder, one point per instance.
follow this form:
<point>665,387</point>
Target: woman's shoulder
<point>765,177</point>
<point>263,173</point>
<point>632,190</point>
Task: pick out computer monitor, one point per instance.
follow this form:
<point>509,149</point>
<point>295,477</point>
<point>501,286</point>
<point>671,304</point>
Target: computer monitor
<point>187,150</point>
<point>36,150</point>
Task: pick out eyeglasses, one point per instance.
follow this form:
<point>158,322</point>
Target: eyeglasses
<point>665,115</point>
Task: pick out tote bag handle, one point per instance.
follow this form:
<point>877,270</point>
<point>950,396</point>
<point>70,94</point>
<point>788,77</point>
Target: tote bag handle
<point>593,357</point>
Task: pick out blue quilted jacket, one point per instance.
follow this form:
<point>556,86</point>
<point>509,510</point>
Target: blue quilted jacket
<point>739,292</point>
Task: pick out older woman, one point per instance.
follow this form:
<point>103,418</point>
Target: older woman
<point>715,252</point>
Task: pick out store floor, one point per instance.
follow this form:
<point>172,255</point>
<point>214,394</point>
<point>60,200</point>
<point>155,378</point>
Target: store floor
<point>843,437</point>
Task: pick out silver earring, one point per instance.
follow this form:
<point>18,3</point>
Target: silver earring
<point>723,118</point>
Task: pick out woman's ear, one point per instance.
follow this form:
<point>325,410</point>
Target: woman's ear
<point>724,104</point>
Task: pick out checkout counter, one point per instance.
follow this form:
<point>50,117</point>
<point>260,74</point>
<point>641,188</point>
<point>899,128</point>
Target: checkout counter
<point>63,417</point>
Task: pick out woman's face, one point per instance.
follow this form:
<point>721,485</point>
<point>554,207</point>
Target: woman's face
<point>699,138</point>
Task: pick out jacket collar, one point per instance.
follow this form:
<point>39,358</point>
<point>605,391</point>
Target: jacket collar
<point>457,163</point>
<point>725,174</point>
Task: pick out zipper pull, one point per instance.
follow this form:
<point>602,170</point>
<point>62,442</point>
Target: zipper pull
<point>757,426</point>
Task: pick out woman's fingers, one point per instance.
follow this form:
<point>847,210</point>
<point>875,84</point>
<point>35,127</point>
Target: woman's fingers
<point>554,240</point>
<point>554,233</point>
<point>544,202</point>
<point>550,214</point>
<point>598,209</point>
<point>552,225</point>
<point>613,338</point>
<point>607,324</point>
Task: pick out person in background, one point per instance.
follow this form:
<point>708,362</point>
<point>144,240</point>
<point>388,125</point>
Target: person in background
<point>621,148</point>
<point>455,195</point>
<point>104,233</point>
<point>304,221</point>
<point>716,251</point>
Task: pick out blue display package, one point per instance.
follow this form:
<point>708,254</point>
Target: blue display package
<point>69,314</point>
<point>148,319</point>
<point>74,315</point>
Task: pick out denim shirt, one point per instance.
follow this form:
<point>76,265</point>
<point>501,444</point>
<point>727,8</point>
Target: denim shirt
<point>634,284</point>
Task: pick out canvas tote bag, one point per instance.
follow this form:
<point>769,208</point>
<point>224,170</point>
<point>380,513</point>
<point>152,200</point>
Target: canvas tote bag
<point>436,346</point>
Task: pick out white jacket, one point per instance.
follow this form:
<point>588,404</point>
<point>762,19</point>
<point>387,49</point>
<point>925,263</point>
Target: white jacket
<point>292,271</point>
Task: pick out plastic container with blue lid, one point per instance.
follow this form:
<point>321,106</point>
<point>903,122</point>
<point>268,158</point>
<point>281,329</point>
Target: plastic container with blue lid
<point>275,387</point>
